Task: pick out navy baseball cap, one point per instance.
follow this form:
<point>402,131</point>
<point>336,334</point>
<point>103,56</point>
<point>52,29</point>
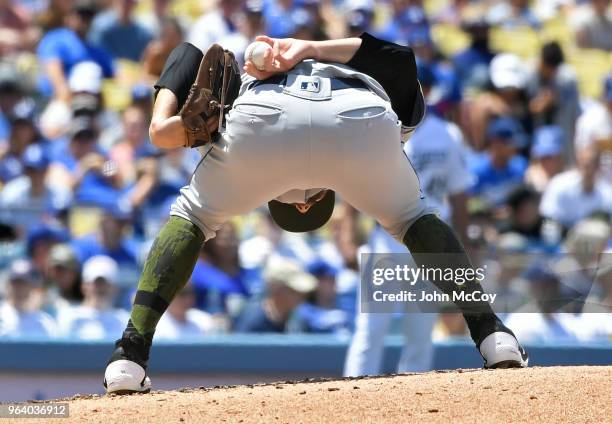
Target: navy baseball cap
<point>286,216</point>
<point>506,129</point>
<point>35,157</point>
<point>320,267</point>
<point>548,141</point>
<point>45,233</point>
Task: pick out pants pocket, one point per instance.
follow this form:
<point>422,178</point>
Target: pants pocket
<point>247,119</point>
<point>260,110</point>
<point>362,114</point>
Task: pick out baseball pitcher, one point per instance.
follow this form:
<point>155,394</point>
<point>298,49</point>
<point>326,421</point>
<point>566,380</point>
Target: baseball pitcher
<point>321,117</point>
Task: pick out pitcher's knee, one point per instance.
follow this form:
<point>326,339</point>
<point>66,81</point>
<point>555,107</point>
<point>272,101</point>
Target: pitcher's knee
<point>400,228</point>
<point>207,224</point>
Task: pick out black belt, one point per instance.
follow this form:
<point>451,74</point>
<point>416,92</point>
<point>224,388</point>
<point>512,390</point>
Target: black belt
<point>336,83</point>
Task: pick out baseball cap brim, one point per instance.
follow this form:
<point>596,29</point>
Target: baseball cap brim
<point>508,79</point>
<point>290,219</point>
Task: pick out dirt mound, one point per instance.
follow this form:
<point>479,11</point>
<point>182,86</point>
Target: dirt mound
<point>555,394</point>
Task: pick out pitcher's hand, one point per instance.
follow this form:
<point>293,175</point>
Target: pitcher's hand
<point>285,54</point>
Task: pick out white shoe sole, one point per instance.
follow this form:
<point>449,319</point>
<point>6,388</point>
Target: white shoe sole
<point>124,376</point>
<point>502,350</point>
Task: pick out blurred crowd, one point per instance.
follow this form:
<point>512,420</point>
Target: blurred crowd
<point>523,87</point>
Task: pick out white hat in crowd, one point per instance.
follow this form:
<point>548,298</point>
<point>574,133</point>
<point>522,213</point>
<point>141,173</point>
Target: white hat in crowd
<point>288,273</point>
<point>508,71</point>
<point>86,77</point>
<point>100,266</point>
<point>55,119</point>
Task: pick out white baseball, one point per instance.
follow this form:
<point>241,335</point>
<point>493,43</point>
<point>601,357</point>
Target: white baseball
<point>255,53</point>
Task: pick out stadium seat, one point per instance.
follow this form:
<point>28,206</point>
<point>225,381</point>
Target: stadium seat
<point>591,67</point>
<point>191,8</point>
<point>117,91</point>
<point>523,42</point>
<point>557,29</point>
<point>449,38</point>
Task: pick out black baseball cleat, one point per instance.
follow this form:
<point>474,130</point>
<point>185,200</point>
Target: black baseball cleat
<point>502,350</point>
<point>126,371</point>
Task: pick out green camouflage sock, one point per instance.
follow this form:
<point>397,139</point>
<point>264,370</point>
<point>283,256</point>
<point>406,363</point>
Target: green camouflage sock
<point>166,271</point>
<point>428,239</point>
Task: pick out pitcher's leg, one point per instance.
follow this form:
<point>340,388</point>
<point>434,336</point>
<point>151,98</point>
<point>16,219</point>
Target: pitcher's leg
<point>166,271</point>
<point>380,181</point>
<point>429,236</point>
<point>223,185</point>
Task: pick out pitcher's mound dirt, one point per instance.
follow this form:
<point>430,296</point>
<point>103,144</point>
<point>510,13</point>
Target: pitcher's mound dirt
<point>533,395</point>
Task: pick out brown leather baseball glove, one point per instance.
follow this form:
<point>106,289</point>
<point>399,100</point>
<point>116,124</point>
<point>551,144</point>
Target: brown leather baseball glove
<point>212,94</point>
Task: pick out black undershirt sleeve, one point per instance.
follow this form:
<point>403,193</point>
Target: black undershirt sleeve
<point>394,67</point>
<point>180,71</point>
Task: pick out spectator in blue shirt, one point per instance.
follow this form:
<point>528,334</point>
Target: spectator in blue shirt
<point>472,64</point>
<point>500,169</point>
<point>321,313</point>
<point>11,93</point>
<point>29,197</point>
<point>408,17</point>
<point>546,157</point>
<point>118,33</point>
<point>84,168</point>
<point>287,286</point>
<point>40,239</point>
<point>277,15</point>
<point>20,315</point>
<point>446,95</point>
<point>23,132</point>
<point>61,49</point>
<point>95,318</point>
<point>553,94</point>
<point>525,220</point>
<point>218,275</point>
<point>110,239</point>
<point>62,275</point>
